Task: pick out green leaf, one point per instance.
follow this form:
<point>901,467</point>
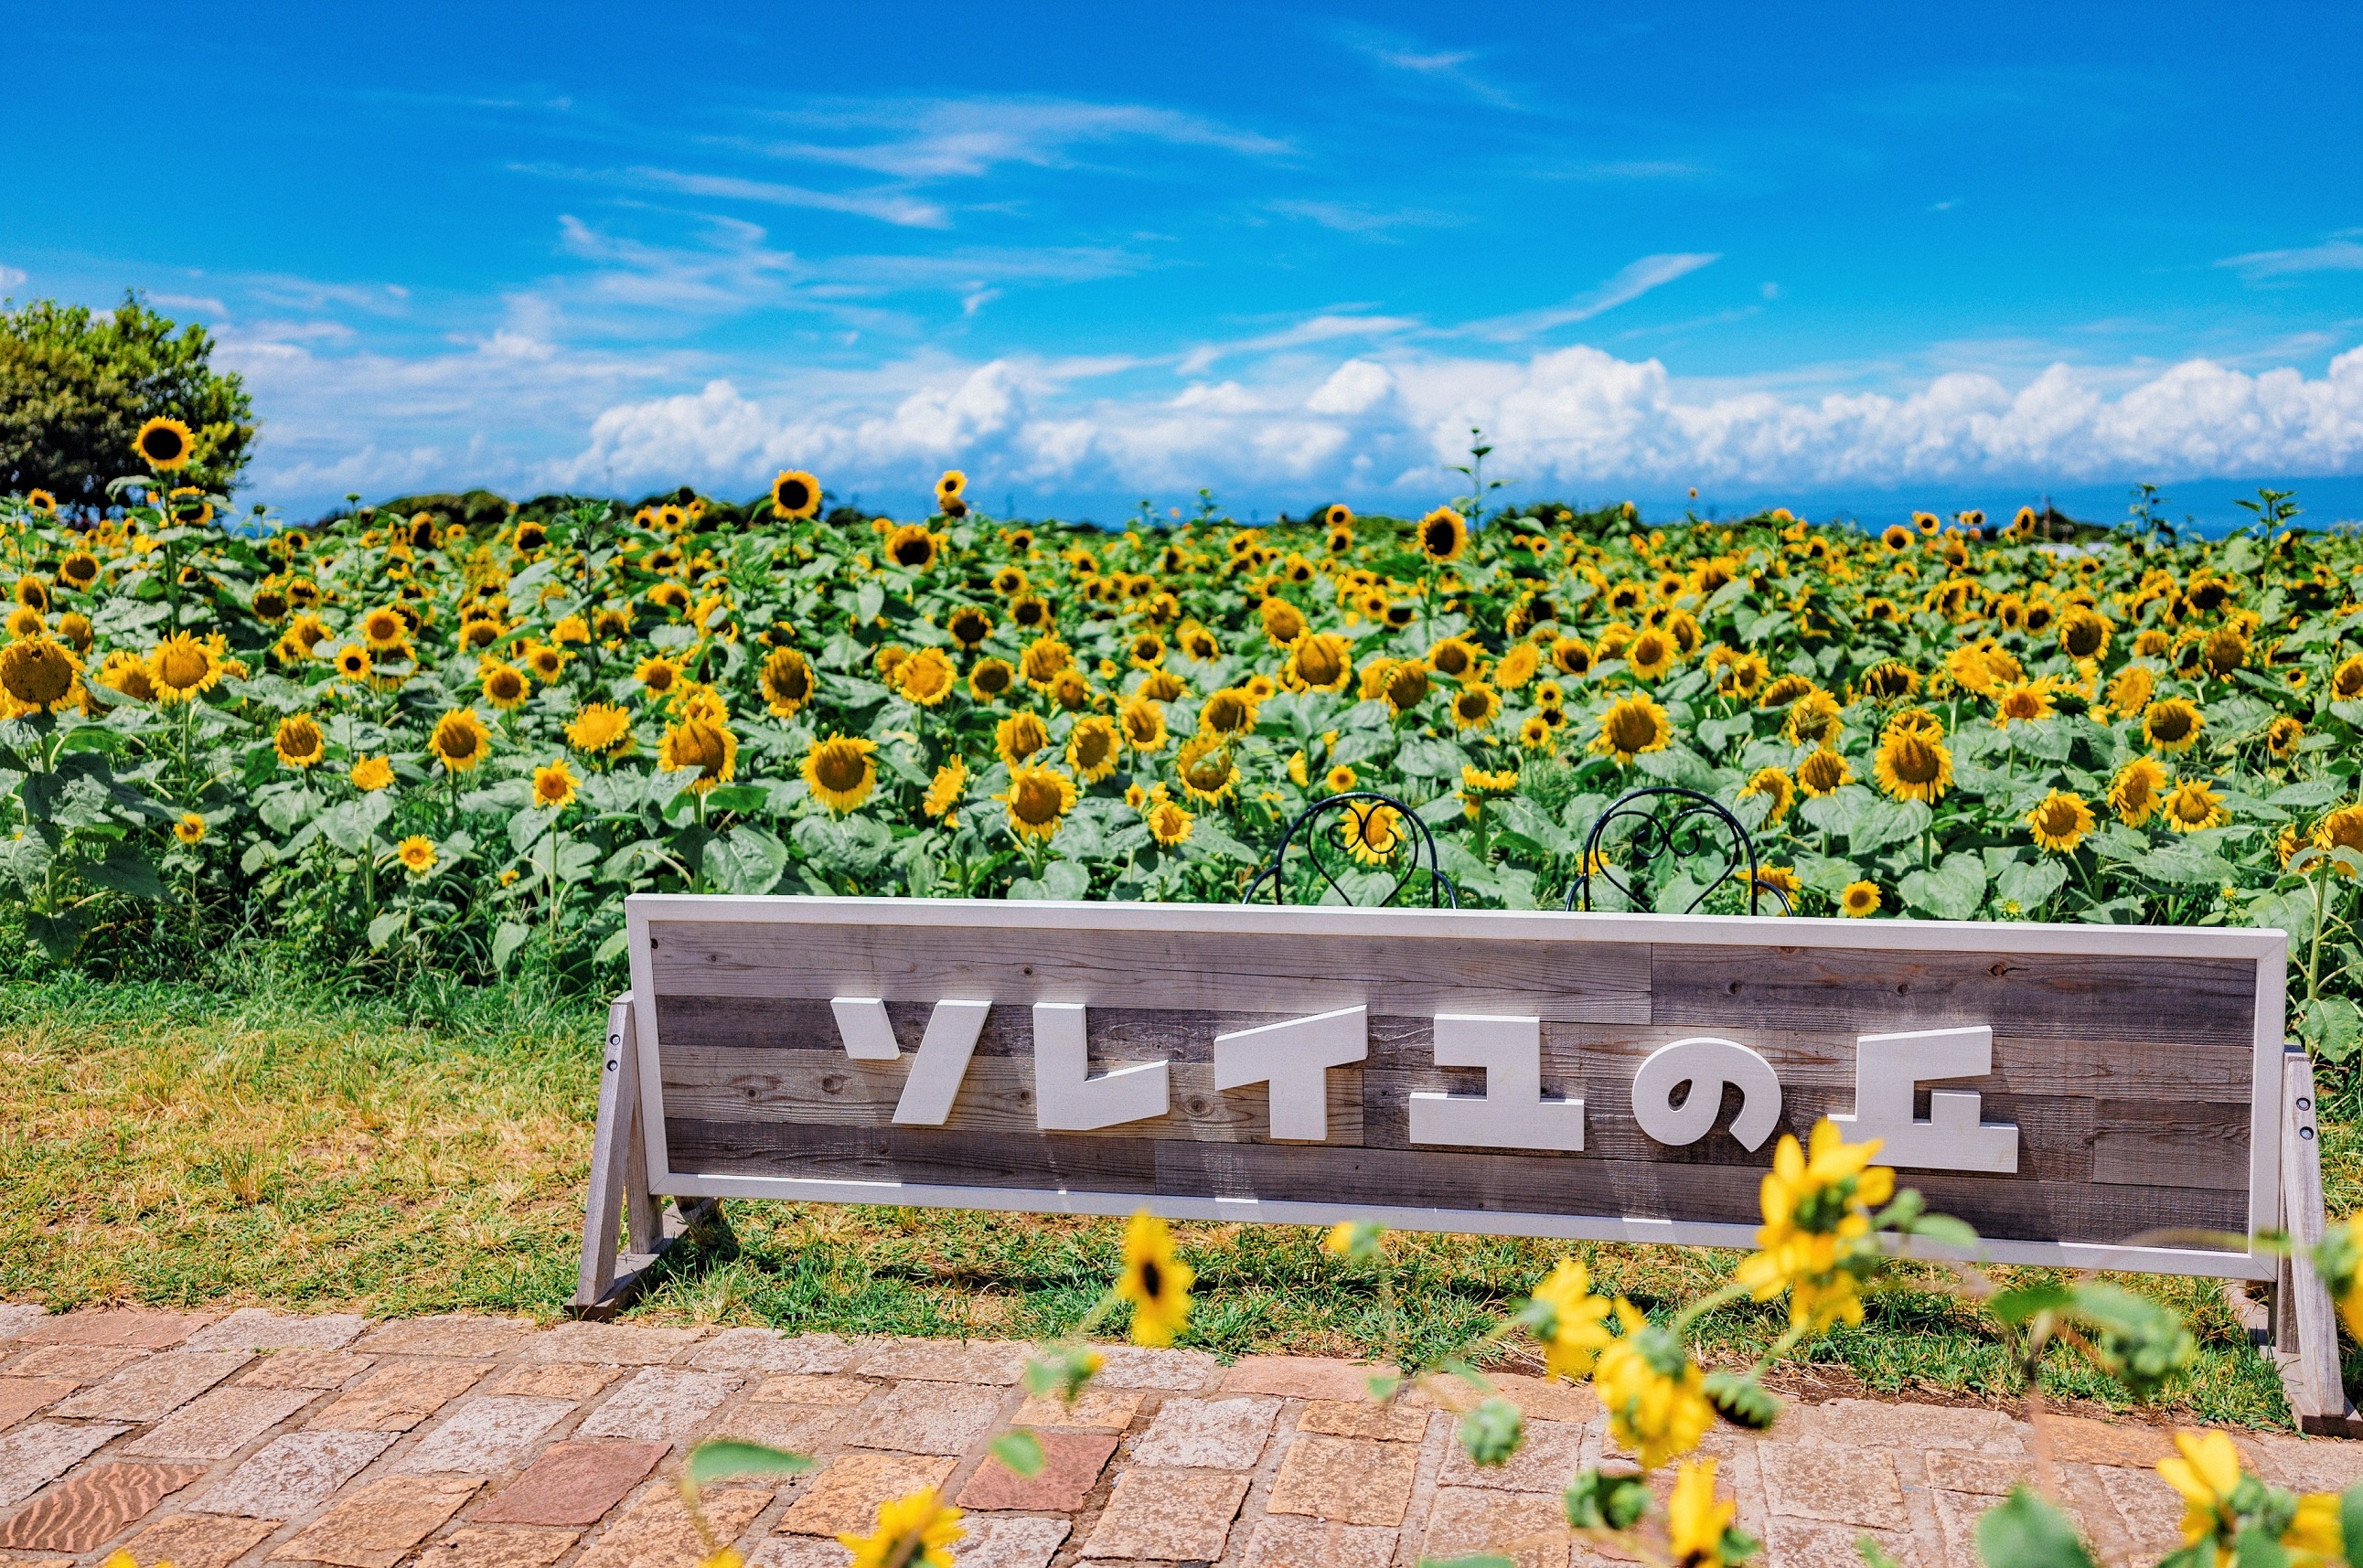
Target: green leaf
<point>1952,891</point>
<point>2350,1519</point>
<point>1883,823</point>
<point>726,1458</point>
<point>2030,887</point>
<point>507,940</point>
<point>124,870</point>
<point>2332,1027</point>
<point>1945,1230</point>
<point>2016,1306</point>
<point>1598,1500</point>
<point>869,599</point>
<point>382,929</point>
<point>1020,1451</point>
<point>1066,879</point>
<point>747,859</point>
<point>1492,1432</point>
<point>2024,1531</point>
<point>1867,1547</point>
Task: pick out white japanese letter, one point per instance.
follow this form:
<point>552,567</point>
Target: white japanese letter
<point>1295,1058</point>
<point>1706,1063</point>
<point>1887,1067</point>
<point>1511,1113</point>
<point>1067,1099</point>
<point>939,1068</point>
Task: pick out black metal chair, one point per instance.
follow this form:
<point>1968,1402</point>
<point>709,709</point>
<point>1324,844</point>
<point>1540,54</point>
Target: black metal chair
<point>1360,828</point>
<point>1698,821</point>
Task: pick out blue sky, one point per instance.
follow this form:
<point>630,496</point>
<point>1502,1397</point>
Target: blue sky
<point>1855,256</point>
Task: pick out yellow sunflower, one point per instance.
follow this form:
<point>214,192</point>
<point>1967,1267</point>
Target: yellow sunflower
<point>2060,821</point>
<point>1776,788</point>
<point>2137,790</point>
<point>2192,806</point>
<point>503,685</point>
<point>1912,766</point>
<point>190,829</point>
<point>1474,706</point>
<point>461,740</point>
<point>1320,661</point>
<point>1205,769</point>
<point>927,678</point>
<point>417,854</point>
<point>299,742</point>
<point>1039,801</point>
<point>1632,726</point>
<point>1155,1281</point>
<point>705,745</point>
<point>2172,724</point>
<point>181,667</point>
<point>1822,772</point>
<point>838,771</point>
<point>944,790</point>
<point>914,1531</point>
<point>1443,534</point>
<point>989,679</point>
<point>554,786</point>
<point>796,495</point>
<point>164,445</point>
<point>38,673</point>
<point>370,774</point>
<point>1093,748</point>
<point>600,729</point>
<point>1859,899</point>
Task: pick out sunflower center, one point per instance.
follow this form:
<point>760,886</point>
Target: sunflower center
<point>1915,760</point>
<point>181,667</point>
<point>1036,799</point>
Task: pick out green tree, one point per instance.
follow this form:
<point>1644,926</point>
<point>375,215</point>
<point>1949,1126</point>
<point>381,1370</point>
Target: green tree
<point>75,388</point>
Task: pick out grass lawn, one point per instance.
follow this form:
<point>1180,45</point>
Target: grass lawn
<point>252,1141</point>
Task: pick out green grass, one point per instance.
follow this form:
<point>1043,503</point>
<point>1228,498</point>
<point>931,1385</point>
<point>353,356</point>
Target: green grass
<point>257,1140</point>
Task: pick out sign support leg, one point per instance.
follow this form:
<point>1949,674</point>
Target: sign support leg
<point>620,1208</point>
<point>2317,1396</point>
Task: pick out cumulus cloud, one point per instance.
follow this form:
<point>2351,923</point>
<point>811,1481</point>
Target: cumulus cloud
<point>1381,421</point>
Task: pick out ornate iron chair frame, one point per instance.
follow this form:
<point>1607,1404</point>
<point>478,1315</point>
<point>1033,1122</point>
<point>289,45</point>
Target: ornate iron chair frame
<point>1655,837</point>
<point>1441,891</point>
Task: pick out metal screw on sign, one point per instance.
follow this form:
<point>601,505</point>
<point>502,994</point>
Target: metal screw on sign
<point>1361,834</point>
<point>1654,837</point>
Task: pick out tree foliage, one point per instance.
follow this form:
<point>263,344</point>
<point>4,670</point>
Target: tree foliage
<point>75,387</point>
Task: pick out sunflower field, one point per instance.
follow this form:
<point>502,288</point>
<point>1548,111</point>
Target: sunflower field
<point>423,740</point>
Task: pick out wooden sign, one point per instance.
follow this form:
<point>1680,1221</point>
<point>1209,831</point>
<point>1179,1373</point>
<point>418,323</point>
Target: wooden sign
<point>2077,1093</point>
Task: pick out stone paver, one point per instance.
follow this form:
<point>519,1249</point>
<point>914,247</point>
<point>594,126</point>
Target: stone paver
<point>1528,1527</point>
<point>446,1334</point>
<point>1208,1434</point>
<point>129,1327</point>
<point>498,1548</point>
<point>486,1435</point>
<point>1011,1542</point>
<point>35,1454</point>
<point>973,1361</point>
<point>660,1404</point>
<point>813,1388</point>
<point>78,1364</point>
<point>1168,1515</point>
<point>1284,1543</point>
<point>93,1507</point>
<point>1844,1485</point>
<point>18,1320</point>
<point>1103,1409</point>
<point>656,1532</point>
<point>218,1424</point>
<point>845,1496</point>
<point>293,1474</point>
<point>397,1397</point>
<point>1072,1462</point>
<point>464,1442</point>
<point>617,1344</point>
<point>316,1369</point>
<point>554,1380</point>
<point>199,1541</point>
<point>20,1397</point>
<point>930,1417</point>
<point>1546,1462</point>
<point>1355,1481</point>
<point>573,1483</point>
<point>154,1386</point>
<point>259,1329</point>
<point>378,1525</point>
<point>1297,1377</point>
<point>1338,1418</point>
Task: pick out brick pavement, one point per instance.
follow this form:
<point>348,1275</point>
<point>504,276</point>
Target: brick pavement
<point>257,1437</point>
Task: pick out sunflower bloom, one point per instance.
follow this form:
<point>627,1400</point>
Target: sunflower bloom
<point>1155,1281</point>
<point>944,790</point>
<point>1143,720</point>
<point>164,445</point>
<point>839,772</point>
<point>796,495</point>
<point>1038,799</point>
<point>1776,788</point>
<point>1698,1527</point>
<point>927,678</point>
<point>1859,900</point>
<point>1207,770</point>
<point>190,829</point>
<point>914,1531</point>
<point>181,667</point>
<point>1020,737</point>
<point>36,673</point>
<point>1655,1394</point>
<point>1093,748</point>
<point>417,854</point>
<point>1631,727</point>
<point>2060,821</point>
<point>1910,766</point>
<point>2172,724</point>
<point>2192,807</point>
<point>370,774</point>
<point>1815,1243</point>
<point>1571,1322</point>
<point>600,729</point>
<point>1443,534</point>
<point>461,740</point>
<point>554,786</point>
<point>2137,790</point>
<point>298,742</point>
<point>1169,825</point>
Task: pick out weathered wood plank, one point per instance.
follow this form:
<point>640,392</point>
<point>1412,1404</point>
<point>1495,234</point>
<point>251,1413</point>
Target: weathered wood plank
<point>918,1154</point>
<point>2024,1063</point>
<point>719,1085</point>
<point>2140,1143</point>
<point>2140,1001</point>
<point>1596,981</point>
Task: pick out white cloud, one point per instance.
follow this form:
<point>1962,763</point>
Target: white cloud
<point>12,276</point>
<point>1572,418</point>
<point>887,206</point>
<point>1631,281</point>
<point>968,138</point>
<point>2340,253</point>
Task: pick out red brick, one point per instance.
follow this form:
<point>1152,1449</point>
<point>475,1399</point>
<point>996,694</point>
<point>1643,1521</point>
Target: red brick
<point>140,1330</point>
<point>84,1513</point>
<point>1072,1462</point>
<point>572,1484</point>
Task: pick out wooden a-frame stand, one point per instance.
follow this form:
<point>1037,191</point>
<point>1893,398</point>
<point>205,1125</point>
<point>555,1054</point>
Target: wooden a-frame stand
<point>2299,1331</point>
<point>620,1208</point>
